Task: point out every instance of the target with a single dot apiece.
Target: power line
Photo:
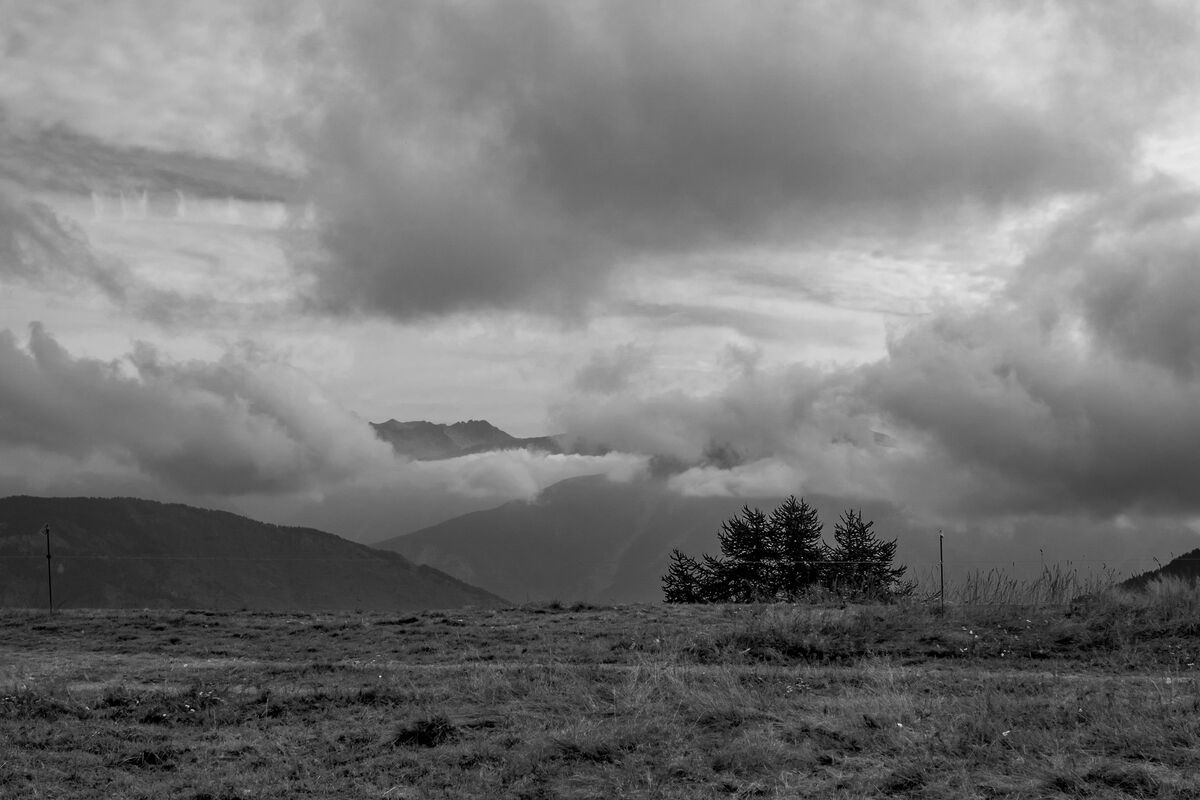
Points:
(109, 557)
(367, 559)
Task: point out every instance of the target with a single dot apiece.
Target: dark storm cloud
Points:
(507, 154)
(1073, 391)
(1078, 389)
(237, 426)
(1131, 267)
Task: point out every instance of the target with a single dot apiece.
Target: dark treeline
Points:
(783, 557)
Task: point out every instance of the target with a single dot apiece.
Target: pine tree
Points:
(797, 548)
(780, 557)
(716, 580)
(860, 563)
(748, 560)
(684, 581)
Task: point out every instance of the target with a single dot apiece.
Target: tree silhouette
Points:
(860, 563)
(783, 557)
(748, 562)
(798, 550)
(684, 581)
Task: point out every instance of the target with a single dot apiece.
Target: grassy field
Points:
(1094, 699)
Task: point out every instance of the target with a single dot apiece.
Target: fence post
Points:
(49, 572)
(942, 572)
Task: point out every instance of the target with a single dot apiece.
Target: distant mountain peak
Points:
(481, 424)
(429, 441)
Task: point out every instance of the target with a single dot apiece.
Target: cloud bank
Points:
(512, 155)
(242, 425)
(1075, 390)
(245, 432)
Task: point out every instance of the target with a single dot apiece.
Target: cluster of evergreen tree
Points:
(782, 556)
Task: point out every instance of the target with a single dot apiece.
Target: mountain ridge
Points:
(431, 441)
(131, 552)
(1185, 567)
(583, 538)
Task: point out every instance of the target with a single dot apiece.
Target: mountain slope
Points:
(591, 539)
(126, 552)
(423, 440)
(1185, 568)
(581, 539)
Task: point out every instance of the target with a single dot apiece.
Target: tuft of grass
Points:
(599, 744)
(907, 779)
(148, 759)
(427, 731)
(49, 703)
(1132, 780)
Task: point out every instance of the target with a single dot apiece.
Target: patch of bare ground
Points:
(1091, 700)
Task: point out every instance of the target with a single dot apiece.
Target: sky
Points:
(941, 256)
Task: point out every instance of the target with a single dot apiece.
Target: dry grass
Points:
(1093, 699)
(1056, 585)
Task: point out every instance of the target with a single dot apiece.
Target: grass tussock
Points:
(427, 731)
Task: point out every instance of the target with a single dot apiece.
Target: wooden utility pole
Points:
(942, 571)
(49, 572)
